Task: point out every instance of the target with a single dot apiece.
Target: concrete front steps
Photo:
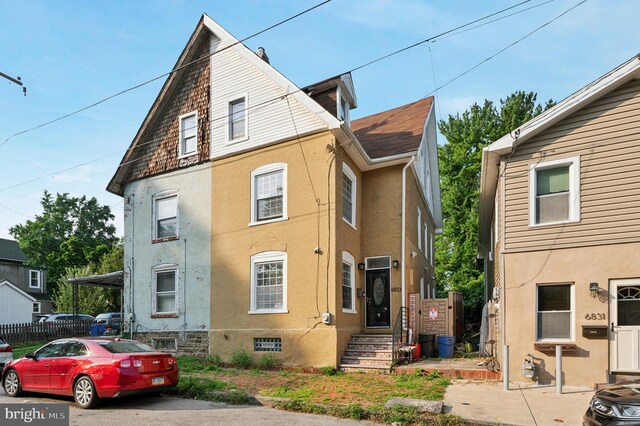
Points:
(370, 353)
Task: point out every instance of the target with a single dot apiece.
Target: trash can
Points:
(445, 346)
(426, 344)
(97, 329)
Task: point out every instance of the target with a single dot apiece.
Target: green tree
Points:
(71, 232)
(460, 162)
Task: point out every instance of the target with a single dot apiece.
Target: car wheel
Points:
(84, 392)
(12, 384)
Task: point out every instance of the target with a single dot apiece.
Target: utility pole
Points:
(16, 81)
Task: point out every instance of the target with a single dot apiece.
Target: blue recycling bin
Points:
(445, 346)
(97, 329)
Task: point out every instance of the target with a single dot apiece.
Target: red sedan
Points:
(91, 368)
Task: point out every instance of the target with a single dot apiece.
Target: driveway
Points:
(166, 410)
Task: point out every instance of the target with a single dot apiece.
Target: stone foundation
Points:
(186, 342)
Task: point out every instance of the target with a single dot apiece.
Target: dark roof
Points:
(10, 250)
(40, 297)
(395, 131)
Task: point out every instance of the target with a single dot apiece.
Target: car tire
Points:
(84, 393)
(11, 384)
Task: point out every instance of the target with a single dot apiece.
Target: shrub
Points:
(267, 361)
(242, 359)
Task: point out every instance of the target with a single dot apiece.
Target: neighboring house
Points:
(23, 288)
(259, 217)
(560, 235)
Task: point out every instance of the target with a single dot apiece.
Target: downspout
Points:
(404, 227)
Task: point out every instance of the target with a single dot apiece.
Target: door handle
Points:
(74, 364)
(612, 329)
(47, 365)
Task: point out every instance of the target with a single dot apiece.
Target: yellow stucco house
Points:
(260, 217)
(559, 234)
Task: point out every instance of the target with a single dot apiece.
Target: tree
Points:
(460, 163)
(71, 232)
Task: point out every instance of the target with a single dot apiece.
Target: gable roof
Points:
(10, 250)
(13, 287)
(396, 131)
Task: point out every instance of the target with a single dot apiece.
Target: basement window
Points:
(167, 345)
(267, 344)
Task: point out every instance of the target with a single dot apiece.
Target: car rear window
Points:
(2, 342)
(126, 347)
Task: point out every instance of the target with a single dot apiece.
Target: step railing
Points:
(400, 334)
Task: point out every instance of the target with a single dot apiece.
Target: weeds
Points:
(242, 359)
(267, 362)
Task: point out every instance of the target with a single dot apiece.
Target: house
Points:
(259, 217)
(23, 288)
(560, 233)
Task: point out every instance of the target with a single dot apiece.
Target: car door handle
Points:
(74, 364)
(47, 365)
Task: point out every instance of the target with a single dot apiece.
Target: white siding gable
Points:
(16, 306)
(426, 167)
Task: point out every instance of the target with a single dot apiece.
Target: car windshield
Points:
(126, 347)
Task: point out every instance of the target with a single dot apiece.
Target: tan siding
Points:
(605, 137)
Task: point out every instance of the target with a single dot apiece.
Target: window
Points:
(267, 344)
(35, 278)
(348, 195)
(170, 345)
(165, 286)
(165, 216)
(269, 283)
(555, 312)
(36, 307)
(188, 134)
(348, 283)
(75, 349)
(343, 107)
(419, 227)
(431, 253)
(238, 119)
(426, 241)
(555, 191)
(269, 193)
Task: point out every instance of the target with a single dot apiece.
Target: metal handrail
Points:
(398, 335)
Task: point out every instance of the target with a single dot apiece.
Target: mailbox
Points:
(595, 331)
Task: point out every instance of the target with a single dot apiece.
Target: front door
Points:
(378, 298)
(624, 339)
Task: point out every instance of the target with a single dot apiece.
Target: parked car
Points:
(6, 352)
(615, 405)
(111, 320)
(42, 318)
(68, 317)
(90, 369)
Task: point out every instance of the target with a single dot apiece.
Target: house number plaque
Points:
(595, 317)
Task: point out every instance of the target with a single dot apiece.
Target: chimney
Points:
(262, 54)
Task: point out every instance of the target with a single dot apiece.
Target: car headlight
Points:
(600, 407)
(629, 411)
(622, 411)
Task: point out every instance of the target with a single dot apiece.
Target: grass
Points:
(20, 350)
(209, 390)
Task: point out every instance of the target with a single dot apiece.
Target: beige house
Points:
(260, 217)
(560, 234)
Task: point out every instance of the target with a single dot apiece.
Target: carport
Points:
(110, 280)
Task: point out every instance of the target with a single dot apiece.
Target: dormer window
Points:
(343, 107)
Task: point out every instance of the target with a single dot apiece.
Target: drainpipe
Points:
(404, 226)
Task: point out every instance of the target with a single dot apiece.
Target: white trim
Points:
(163, 195)
(419, 229)
(182, 154)
(165, 267)
(351, 261)
(39, 310)
(39, 274)
(227, 139)
(572, 325)
(347, 114)
(269, 256)
(574, 189)
(269, 168)
(346, 170)
(19, 290)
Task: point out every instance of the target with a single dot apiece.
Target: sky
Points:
(71, 54)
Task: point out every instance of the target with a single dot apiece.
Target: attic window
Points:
(238, 119)
(343, 107)
(189, 134)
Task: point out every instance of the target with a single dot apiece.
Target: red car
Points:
(91, 368)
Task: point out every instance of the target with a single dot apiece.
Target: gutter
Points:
(404, 226)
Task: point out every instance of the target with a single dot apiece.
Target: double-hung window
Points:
(555, 312)
(36, 307)
(348, 283)
(165, 215)
(188, 134)
(35, 278)
(269, 283)
(555, 191)
(237, 125)
(165, 289)
(419, 228)
(349, 187)
(269, 193)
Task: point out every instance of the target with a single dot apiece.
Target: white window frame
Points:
(351, 261)
(181, 151)
(419, 229)
(167, 267)
(37, 308)
(268, 256)
(268, 168)
(427, 252)
(346, 170)
(39, 278)
(235, 99)
(154, 206)
(574, 189)
(432, 253)
(573, 314)
(347, 115)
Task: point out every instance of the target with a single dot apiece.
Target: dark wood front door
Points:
(378, 298)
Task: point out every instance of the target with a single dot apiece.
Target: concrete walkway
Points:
(488, 403)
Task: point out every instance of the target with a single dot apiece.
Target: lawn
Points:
(20, 350)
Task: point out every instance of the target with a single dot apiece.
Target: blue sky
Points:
(73, 53)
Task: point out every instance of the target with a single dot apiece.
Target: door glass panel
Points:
(628, 306)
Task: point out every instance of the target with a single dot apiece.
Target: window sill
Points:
(189, 155)
(269, 311)
(562, 222)
(34, 288)
(163, 240)
(164, 316)
(551, 346)
(349, 311)
(235, 141)
(263, 222)
(349, 223)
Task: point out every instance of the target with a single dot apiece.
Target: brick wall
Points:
(188, 342)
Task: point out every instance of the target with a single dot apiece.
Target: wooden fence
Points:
(16, 334)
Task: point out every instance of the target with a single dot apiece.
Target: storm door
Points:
(624, 337)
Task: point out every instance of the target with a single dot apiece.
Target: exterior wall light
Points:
(594, 288)
(395, 263)
(361, 266)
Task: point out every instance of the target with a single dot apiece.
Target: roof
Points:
(392, 132)
(10, 250)
(112, 279)
(344, 81)
(42, 297)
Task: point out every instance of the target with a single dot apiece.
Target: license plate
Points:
(157, 381)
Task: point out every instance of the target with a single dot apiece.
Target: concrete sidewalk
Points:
(487, 402)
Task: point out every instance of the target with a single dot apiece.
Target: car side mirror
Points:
(30, 355)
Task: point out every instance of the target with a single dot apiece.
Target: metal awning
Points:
(112, 280)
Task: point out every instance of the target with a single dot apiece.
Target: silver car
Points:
(6, 352)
